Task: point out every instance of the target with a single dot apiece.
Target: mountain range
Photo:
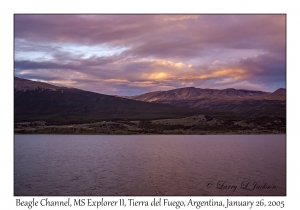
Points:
(213, 101)
(192, 93)
(38, 101)
(61, 105)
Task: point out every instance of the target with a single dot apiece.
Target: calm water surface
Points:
(149, 165)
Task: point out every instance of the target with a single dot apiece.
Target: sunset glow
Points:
(133, 54)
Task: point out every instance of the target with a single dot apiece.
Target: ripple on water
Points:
(147, 165)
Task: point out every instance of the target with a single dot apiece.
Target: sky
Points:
(133, 54)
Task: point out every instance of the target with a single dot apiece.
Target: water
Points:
(149, 165)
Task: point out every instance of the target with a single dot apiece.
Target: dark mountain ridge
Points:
(38, 101)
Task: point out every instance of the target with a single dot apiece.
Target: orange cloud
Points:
(155, 76)
(235, 74)
(170, 64)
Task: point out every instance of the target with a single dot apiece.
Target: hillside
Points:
(192, 93)
(222, 102)
(37, 101)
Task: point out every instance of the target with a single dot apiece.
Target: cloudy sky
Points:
(133, 54)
